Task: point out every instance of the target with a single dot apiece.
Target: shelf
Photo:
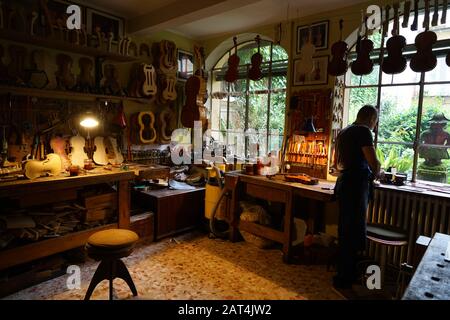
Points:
(44, 248)
(15, 36)
(69, 95)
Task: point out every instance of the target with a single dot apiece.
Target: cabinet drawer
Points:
(269, 194)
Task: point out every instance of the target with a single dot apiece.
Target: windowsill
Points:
(420, 187)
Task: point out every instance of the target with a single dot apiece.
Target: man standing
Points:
(357, 165)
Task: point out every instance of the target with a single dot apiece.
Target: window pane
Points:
(407, 76)
(434, 162)
(398, 114)
(370, 79)
(257, 119)
(257, 111)
(279, 82)
(440, 73)
(279, 53)
(396, 156)
(357, 98)
(237, 104)
(276, 121)
(218, 116)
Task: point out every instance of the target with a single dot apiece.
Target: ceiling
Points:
(202, 19)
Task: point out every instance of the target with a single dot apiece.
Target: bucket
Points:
(212, 194)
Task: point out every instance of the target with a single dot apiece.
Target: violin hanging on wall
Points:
(190, 111)
(147, 131)
(338, 64)
(255, 73)
(149, 87)
(233, 64)
(424, 60)
(395, 62)
(363, 65)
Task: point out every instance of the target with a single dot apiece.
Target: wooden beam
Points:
(182, 12)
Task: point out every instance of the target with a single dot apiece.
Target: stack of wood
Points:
(38, 224)
(99, 207)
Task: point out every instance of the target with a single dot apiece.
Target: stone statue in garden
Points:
(432, 168)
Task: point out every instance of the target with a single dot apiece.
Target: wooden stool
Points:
(108, 246)
(386, 235)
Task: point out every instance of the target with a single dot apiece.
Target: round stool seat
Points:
(113, 239)
(386, 234)
(109, 246)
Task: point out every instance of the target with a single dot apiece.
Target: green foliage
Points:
(258, 99)
(397, 157)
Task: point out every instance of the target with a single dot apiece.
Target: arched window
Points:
(247, 105)
(407, 103)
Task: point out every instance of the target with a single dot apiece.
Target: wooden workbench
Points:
(49, 186)
(276, 191)
(431, 281)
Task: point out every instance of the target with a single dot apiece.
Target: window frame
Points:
(269, 89)
(440, 49)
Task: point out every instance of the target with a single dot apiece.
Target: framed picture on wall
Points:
(319, 75)
(106, 22)
(317, 33)
(185, 64)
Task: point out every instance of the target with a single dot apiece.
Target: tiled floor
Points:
(192, 266)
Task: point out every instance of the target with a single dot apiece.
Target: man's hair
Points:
(366, 113)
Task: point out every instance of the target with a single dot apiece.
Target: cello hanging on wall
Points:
(363, 65)
(233, 65)
(254, 73)
(395, 62)
(338, 64)
(424, 60)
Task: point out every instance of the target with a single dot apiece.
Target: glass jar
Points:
(88, 164)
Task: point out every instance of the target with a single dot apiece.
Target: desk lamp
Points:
(89, 121)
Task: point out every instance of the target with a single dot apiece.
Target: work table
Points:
(273, 189)
(54, 189)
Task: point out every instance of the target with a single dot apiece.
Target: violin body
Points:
(149, 87)
(58, 146)
(85, 81)
(395, 62)
(169, 92)
(167, 120)
(36, 77)
(424, 60)
(190, 112)
(77, 154)
(233, 65)
(35, 168)
(255, 73)
(114, 154)
(147, 131)
(100, 156)
(232, 72)
(168, 63)
(338, 64)
(363, 65)
(65, 79)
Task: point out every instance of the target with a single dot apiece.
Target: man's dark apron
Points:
(353, 191)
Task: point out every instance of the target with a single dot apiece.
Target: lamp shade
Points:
(88, 120)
